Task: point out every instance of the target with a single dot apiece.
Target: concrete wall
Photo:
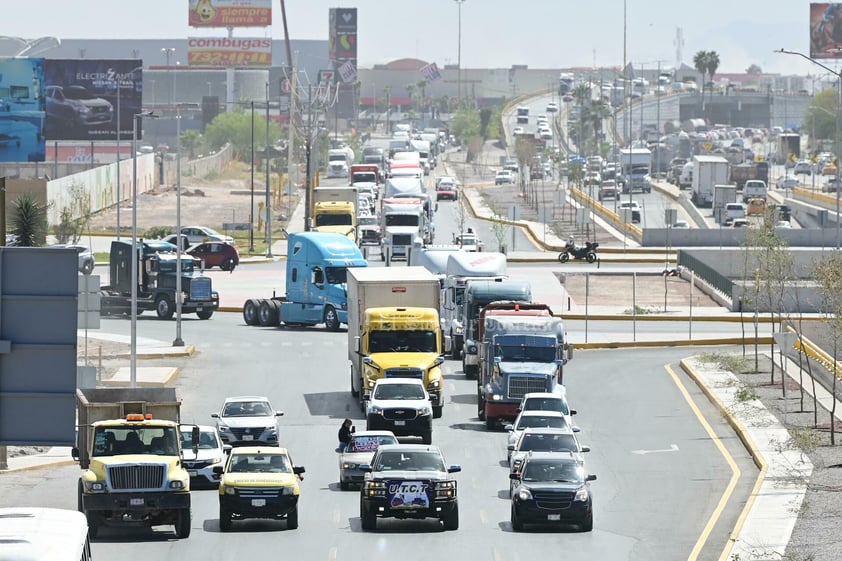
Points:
(734, 237)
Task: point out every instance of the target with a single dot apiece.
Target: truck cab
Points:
(461, 268)
(335, 210)
(477, 295)
(316, 278)
(403, 221)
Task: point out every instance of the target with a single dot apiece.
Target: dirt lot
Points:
(646, 291)
(205, 202)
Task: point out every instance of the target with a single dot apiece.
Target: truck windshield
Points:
(333, 220)
(336, 275)
(151, 440)
(401, 220)
(521, 353)
(364, 177)
(402, 341)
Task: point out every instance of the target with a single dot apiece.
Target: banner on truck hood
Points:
(826, 30)
(230, 13)
(22, 110)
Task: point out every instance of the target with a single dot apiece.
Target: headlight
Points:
(376, 410)
(524, 495)
(371, 383)
(272, 429)
(230, 491)
(446, 489)
(434, 384)
(375, 488)
(496, 397)
(581, 494)
(424, 411)
(223, 428)
(176, 484)
(95, 486)
(347, 465)
(472, 349)
(287, 490)
(217, 460)
(459, 330)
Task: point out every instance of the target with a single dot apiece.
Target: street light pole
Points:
(268, 193)
(168, 52)
(178, 342)
(838, 141)
(251, 215)
(459, 52)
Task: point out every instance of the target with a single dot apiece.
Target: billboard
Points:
(342, 42)
(230, 13)
(22, 110)
(229, 51)
(83, 97)
(826, 30)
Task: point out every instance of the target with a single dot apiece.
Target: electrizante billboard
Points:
(87, 99)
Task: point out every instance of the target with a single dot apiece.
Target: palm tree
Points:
(410, 91)
(29, 221)
(712, 66)
(422, 87)
(700, 62)
(598, 111)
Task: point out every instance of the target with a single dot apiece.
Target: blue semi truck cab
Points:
(316, 283)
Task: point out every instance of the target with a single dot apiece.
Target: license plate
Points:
(192, 472)
(136, 502)
(248, 437)
(258, 502)
(199, 309)
(400, 423)
(553, 517)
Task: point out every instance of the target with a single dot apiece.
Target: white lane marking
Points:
(331, 554)
(495, 554)
(672, 448)
(483, 517)
(336, 517)
(267, 344)
(476, 482)
(452, 387)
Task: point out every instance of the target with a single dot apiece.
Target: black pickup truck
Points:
(409, 481)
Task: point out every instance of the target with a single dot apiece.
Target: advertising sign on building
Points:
(342, 45)
(431, 72)
(229, 51)
(826, 30)
(83, 97)
(348, 72)
(22, 110)
(230, 13)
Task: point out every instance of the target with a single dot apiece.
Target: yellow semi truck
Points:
(129, 447)
(335, 210)
(394, 330)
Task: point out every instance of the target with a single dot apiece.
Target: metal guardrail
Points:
(606, 213)
(707, 273)
(829, 199)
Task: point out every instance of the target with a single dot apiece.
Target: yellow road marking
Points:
(735, 470)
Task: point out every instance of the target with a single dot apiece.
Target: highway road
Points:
(660, 473)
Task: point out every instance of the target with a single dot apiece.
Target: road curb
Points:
(188, 351)
(172, 375)
(57, 463)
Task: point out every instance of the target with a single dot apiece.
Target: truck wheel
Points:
(79, 506)
(205, 314)
(88, 268)
(451, 519)
(368, 519)
(182, 524)
(354, 392)
(292, 519)
(228, 264)
(250, 312)
(455, 348)
(427, 436)
(490, 423)
(480, 408)
(437, 410)
(164, 307)
(331, 319)
(267, 315)
(93, 523)
(224, 520)
(382, 255)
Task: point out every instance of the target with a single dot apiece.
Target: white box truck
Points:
(708, 171)
(393, 330)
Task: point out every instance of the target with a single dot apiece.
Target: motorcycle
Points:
(586, 252)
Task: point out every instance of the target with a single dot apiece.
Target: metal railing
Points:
(706, 273)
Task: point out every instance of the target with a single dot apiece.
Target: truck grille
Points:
(522, 385)
(200, 288)
(143, 476)
(399, 414)
(552, 500)
(258, 492)
(402, 239)
(404, 373)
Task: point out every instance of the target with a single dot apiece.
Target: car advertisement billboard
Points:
(22, 110)
(230, 13)
(826, 30)
(229, 51)
(83, 97)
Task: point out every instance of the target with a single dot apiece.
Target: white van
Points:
(733, 211)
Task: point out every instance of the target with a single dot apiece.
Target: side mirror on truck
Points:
(357, 344)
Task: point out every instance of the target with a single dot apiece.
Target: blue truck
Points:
(522, 350)
(478, 294)
(316, 283)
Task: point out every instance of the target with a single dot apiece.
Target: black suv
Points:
(552, 488)
(784, 212)
(408, 481)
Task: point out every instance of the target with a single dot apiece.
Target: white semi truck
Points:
(708, 171)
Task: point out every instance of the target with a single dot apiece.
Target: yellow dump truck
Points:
(394, 330)
(129, 447)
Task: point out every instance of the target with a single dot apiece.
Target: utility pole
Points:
(251, 211)
(293, 93)
(459, 53)
(308, 147)
(268, 207)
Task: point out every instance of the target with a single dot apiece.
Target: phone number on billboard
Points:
(230, 58)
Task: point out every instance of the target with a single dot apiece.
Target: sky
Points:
(495, 33)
